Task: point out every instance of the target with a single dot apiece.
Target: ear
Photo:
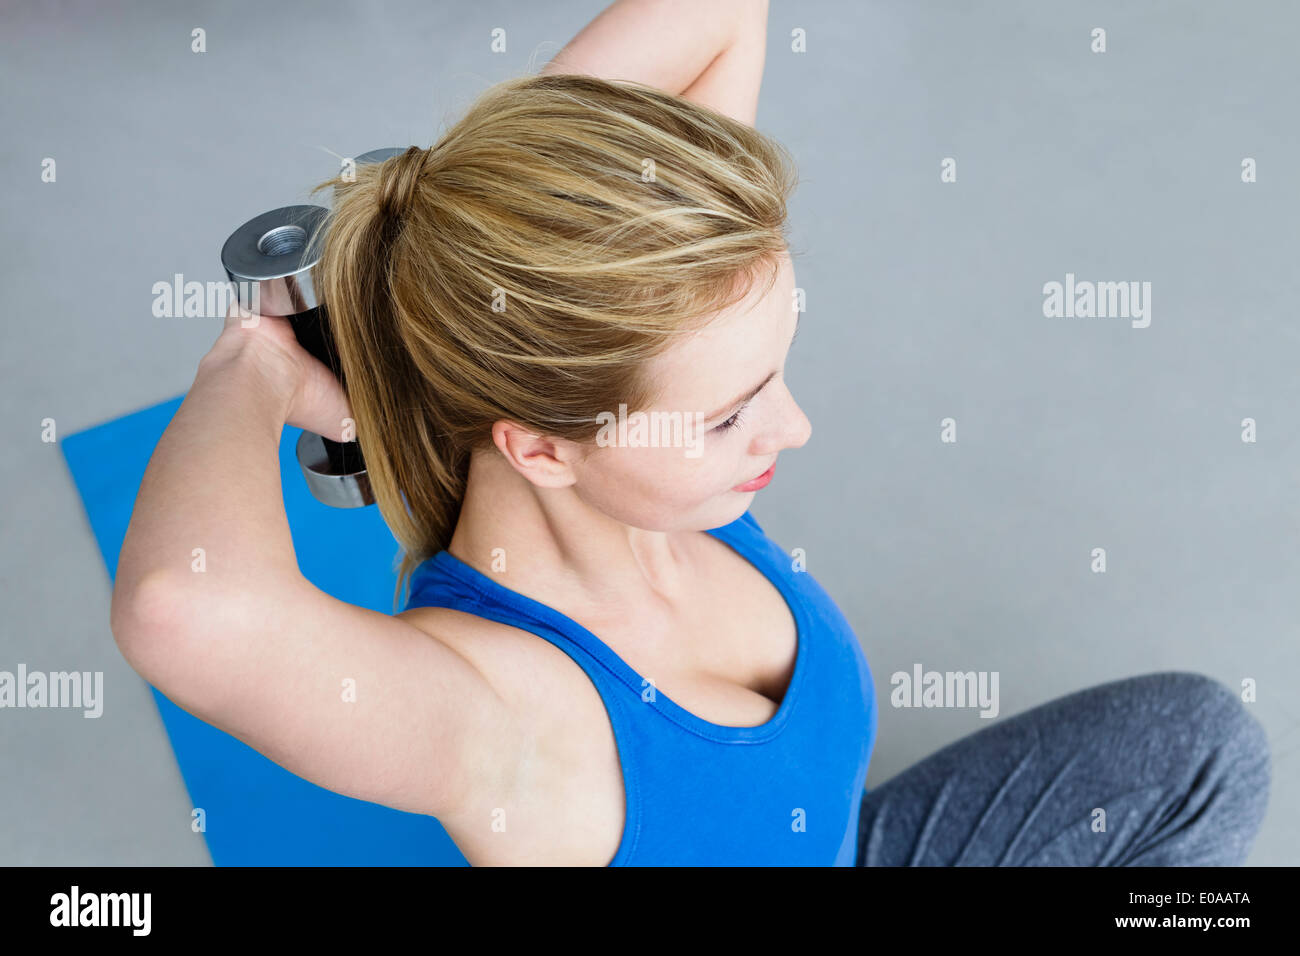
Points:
(543, 460)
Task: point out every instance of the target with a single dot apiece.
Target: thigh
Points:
(1165, 769)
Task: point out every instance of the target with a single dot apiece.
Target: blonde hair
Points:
(526, 266)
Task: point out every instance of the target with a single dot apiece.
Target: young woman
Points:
(603, 659)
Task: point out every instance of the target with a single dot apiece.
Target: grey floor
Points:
(924, 302)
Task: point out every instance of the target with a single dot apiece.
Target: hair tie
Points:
(399, 179)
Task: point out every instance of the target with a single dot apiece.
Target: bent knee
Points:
(1218, 712)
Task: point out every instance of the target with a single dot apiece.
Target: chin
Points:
(729, 509)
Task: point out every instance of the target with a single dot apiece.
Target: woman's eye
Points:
(731, 422)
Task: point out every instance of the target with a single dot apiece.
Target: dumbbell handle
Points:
(311, 329)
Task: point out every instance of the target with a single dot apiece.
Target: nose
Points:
(792, 429)
(800, 426)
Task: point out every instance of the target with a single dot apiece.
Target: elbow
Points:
(142, 616)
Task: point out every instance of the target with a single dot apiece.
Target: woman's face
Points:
(724, 415)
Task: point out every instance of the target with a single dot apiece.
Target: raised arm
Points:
(709, 51)
(359, 702)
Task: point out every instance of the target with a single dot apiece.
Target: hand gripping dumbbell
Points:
(269, 260)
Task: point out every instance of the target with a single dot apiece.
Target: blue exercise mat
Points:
(258, 813)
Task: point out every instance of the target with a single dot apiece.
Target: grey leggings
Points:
(1177, 762)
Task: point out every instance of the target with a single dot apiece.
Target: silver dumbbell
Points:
(269, 260)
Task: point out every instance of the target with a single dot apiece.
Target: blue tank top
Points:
(784, 793)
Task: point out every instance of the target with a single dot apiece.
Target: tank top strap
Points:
(445, 581)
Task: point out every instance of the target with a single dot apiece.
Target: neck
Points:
(559, 549)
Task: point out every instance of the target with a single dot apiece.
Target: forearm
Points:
(710, 51)
(213, 484)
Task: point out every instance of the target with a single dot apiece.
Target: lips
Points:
(755, 483)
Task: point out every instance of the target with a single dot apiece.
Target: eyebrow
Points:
(741, 399)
